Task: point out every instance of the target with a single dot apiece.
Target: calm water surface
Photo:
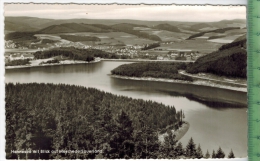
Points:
(211, 124)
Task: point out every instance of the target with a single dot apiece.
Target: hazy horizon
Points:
(123, 19)
(127, 12)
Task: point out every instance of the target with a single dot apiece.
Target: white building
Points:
(159, 58)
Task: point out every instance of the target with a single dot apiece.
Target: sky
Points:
(137, 12)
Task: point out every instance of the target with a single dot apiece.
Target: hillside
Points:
(230, 23)
(129, 28)
(199, 26)
(69, 117)
(23, 24)
(74, 38)
(238, 43)
(221, 30)
(20, 36)
(229, 60)
(94, 28)
(167, 27)
(243, 37)
(71, 28)
(21, 27)
(40, 23)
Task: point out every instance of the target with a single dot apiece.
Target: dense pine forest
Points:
(59, 119)
(167, 70)
(74, 54)
(215, 31)
(230, 60)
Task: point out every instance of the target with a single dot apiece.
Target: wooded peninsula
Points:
(167, 70)
(69, 117)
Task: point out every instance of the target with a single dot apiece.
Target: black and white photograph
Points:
(95, 81)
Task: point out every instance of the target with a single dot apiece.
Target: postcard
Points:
(88, 81)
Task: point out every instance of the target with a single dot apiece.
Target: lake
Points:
(213, 121)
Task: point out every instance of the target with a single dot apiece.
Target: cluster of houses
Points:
(187, 54)
(126, 51)
(18, 56)
(9, 44)
(68, 44)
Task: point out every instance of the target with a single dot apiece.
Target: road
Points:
(190, 75)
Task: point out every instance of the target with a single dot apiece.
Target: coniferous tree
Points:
(169, 145)
(121, 142)
(199, 153)
(213, 154)
(179, 149)
(231, 154)
(191, 149)
(146, 140)
(181, 117)
(107, 129)
(220, 153)
(146, 144)
(207, 155)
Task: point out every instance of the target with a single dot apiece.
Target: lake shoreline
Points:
(199, 83)
(179, 133)
(95, 61)
(147, 60)
(68, 62)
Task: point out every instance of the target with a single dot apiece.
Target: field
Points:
(226, 39)
(47, 36)
(223, 41)
(201, 45)
(173, 38)
(242, 25)
(167, 35)
(222, 38)
(110, 38)
(142, 28)
(20, 51)
(208, 28)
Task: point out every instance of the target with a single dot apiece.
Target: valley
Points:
(125, 38)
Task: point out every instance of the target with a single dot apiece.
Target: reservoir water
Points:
(213, 124)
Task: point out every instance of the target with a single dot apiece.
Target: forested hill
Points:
(222, 30)
(65, 117)
(167, 27)
(74, 54)
(229, 60)
(74, 27)
(95, 28)
(168, 70)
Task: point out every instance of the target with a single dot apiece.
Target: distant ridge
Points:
(199, 26)
(72, 28)
(33, 23)
(167, 27)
